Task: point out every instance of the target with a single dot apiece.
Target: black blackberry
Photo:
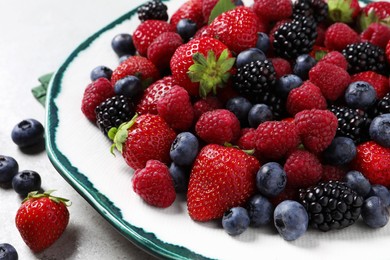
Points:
(309, 26)
(318, 9)
(331, 205)
(365, 56)
(114, 111)
(382, 106)
(352, 123)
(274, 102)
(153, 10)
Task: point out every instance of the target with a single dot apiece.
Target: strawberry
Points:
(336, 58)
(376, 33)
(282, 66)
(192, 10)
(273, 10)
(143, 138)
(221, 178)
(204, 105)
(94, 94)
(339, 35)
(176, 109)
(154, 184)
(344, 11)
(373, 161)
(378, 81)
(42, 219)
(375, 12)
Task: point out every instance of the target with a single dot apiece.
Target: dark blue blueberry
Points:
(249, 55)
(8, 252)
(360, 94)
(26, 181)
(380, 130)
(342, 150)
(129, 86)
(123, 58)
(27, 133)
(260, 211)
(286, 83)
(263, 42)
(186, 29)
(122, 44)
(184, 149)
(239, 106)
(271, 179)
(290, 219)
(8, 168)
(101, 72)
(302, 65)
(258, 114)
(382, 192)
(356, 181)
(374, 213)
(180, 175)
(235, 221)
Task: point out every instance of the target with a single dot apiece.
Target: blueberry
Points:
(249, 55)
(235, 221)
(258, 114)
(129, 86)
(382, 192)
(8, 168)
(286, 83)
(123, 58)
(263, 42)
(239, 106)
(260, 211)
(360, 94)
(374, 212)
(26, 181)
(184, 149)
(356, 181)
(180, 175)
(122, 44)
(271, 179)
(303, 64)
(380, 130)
(186, 29)
(27, 133)
(290, 219)
(101, 72)
(8, 252)
(341, 151)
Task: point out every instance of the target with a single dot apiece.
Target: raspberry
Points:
(281, 66)
(273, 10)
(303, 169)
(316, 128)
(377, 34)
(289, 193)
(378, 81)
(388, 51)
(336, 58)
(332, 173)
(247, 139)
(206, 104)
(339, 35)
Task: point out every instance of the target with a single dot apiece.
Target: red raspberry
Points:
(376, 33)
(274, 139)
(336, 58)
(306, 96)
(273, 10)
(192, 10)
(331, 79)
(206, 104)
(303, 169)
(176, 109)
(289, 193)
(247, 141)
(218, 126)
(339, 35)
(331, 172)
(154, 184)
(94, 94)
(378, 81)
(316, 128)
(282, 67)
(388, 51)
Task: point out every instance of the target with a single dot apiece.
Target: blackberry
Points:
(153, 10)
(113, 112)
(365, 56)
(274, 102)
(331, 205)
(309, 26)
(352, 123)
(318, 9)
(382, 106)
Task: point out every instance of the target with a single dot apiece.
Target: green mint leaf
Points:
(221, 7)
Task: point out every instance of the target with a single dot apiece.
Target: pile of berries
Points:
(277, 112)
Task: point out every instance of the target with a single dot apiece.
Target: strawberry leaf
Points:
(221, 7)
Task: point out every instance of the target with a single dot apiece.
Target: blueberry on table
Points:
(360, 94)
(286, 83)
(184, 149)
(186, 29)
(260, 210)
(8, 252)
(380, 130)
(123, 44)
(235, 221)
(26, 181)
(271, 179)
(249, 55)
(101, 72)
(382, 192)
(291, 219)
(263, 43)
(303, 64)
(8, 168)
(239, 106)
(258, 114)
(374, 213)
(180, 176)
(27, 133)
(341, 151)
(356, 181)
(129, 86)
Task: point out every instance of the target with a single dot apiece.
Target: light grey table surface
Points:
(35, 38)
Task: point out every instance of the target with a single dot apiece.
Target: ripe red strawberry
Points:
(162, 48)
(218, 126)
(339, 35)
(303, 169)
(273, 10)
(94, 94)
(154, 184)
(144, 138)
(274, 139)
(331, 172)
(344, 11)
(148, 102)
(192, 10)
(176, 109)
(236, 28)
(316, 128)
(204, 31)
(336, 58)
(306, 96)
(376, 33)
(373, 161)
(331, 79)
(137, 66)
(221, 178)
(378, 81)
(147, 31)
(204, 105)
(374, 12)
(282, 66)
(42, 219)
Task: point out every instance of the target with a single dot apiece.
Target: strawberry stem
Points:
(119, 135)
(37, 195)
